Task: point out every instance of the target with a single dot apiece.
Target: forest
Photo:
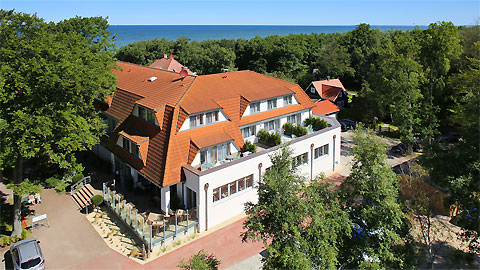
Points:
(425, 82)
(405, 77)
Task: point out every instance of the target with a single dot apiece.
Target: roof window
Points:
(151, 79)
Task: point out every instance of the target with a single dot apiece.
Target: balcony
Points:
(263, 146)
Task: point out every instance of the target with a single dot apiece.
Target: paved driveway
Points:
(72, 243)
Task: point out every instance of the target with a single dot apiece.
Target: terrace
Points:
(154, 229)
(266, 140)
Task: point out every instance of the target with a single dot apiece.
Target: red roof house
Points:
(169, 63)
(330, 89)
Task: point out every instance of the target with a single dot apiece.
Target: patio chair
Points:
(180, 213)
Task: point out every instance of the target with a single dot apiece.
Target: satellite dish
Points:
(172, 56)
(183, 73)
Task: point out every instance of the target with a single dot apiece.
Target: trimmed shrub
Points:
(249, 147)
(297, 130)
(97, 200)
(316, 122)
(200, 260)
(269, 139)
(77, 177)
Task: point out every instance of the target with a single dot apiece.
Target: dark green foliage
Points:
(50, 76)
(270, 139)
(301, 225)
(316, 122)
(297, 130)
(77, 177)
(97, 200)
(371, 195)
(53, 181)
(200, 261)
(249, 147)
(456, 166)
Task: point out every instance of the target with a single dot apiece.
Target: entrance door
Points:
(191, 199)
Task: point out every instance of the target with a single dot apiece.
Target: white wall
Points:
(230, 207)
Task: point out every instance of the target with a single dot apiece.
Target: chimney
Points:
(328, 78)
(164, 55)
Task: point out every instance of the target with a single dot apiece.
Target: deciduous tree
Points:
(380, 236)
(50, 76)
(300, 225)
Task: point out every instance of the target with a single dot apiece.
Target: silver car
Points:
(26, 254)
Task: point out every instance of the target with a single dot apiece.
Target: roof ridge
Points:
(156, 69)
(294, 84)
(185, 92)
(233, 71)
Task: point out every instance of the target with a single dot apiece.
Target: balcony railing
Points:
(152, 229)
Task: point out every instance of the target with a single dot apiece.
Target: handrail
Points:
(85, 180)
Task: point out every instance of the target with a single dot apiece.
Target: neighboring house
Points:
(325, 108)
(330, 89)
(169, 63)
(184, 135)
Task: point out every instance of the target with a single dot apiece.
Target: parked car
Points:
(347, 124)
(26, 254)
(402, 148)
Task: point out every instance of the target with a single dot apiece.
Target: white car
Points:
(26, 254)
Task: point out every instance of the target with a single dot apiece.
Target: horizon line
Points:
(412, 25)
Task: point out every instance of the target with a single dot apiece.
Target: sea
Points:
(126, 34)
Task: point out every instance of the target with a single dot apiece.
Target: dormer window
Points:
(203, 118)
(272, 104)
(254, 107)
(212, 117)
(196, 120)
(130, 147)
(146, 114)
(287, 100)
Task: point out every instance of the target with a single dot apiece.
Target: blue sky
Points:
(256, 12)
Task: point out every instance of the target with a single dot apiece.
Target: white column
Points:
(165, 198)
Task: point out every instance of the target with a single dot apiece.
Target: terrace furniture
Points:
(180, 213)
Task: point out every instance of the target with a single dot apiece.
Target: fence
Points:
(152, 230)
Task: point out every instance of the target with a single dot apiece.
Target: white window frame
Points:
(287, 100)
(266, 125)
(272, 104)
(254, 107)
(249, 131)
(321, 151)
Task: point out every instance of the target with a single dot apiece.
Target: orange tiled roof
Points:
(329, 89)
(169, 64)
(169, 149)
(325, 107)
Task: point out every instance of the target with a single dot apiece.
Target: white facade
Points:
(201, 184)
(212, 213)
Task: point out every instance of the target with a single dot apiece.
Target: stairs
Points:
(82, 197)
